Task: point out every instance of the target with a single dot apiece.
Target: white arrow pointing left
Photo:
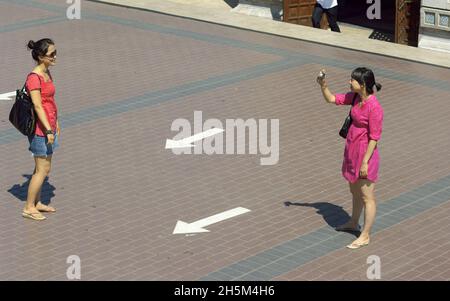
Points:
(198, 226)
(8, 96)
(187, 142)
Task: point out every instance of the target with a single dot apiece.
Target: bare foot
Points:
(44, 208)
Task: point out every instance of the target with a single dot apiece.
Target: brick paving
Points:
(124, 75)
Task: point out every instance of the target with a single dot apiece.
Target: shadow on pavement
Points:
(20, 190)
(333, 215)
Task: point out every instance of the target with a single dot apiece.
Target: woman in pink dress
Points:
(361, 157)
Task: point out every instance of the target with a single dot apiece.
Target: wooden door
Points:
(300, 12)
(407, 19)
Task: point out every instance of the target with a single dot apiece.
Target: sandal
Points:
(355, 246)
(37, 216)
(44, 208)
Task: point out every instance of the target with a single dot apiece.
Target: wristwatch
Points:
(48, 132)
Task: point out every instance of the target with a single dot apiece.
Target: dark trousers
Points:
(331, 13)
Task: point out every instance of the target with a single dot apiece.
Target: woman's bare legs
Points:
(42, 170)
(39, 205)
(358, 205)
(367, 189)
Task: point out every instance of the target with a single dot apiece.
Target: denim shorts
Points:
(39, 146)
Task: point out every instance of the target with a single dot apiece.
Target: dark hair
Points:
(366, 77)
(39, 48)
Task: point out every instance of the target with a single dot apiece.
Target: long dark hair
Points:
(39, 48)
(365, 76)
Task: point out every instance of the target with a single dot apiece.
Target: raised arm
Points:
(327, 95)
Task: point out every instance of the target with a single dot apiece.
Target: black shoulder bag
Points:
(348, 121)
(22, 115)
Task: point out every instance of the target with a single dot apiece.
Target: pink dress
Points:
(367, 122)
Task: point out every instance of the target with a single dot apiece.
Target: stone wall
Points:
(441, 4)
(435, 25)
(271, 9)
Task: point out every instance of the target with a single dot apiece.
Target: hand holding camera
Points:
(321, 78)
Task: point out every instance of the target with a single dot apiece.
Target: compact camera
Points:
(321, 75)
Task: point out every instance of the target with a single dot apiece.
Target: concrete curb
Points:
(298, 32)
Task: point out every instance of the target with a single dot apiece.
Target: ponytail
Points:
(378, 86)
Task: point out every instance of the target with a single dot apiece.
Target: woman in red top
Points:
(40, 87)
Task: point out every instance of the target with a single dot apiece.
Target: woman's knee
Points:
(43, 167)
(355, 191)
(368, 198)
(47, 168)
(366, 189)
(43, 171)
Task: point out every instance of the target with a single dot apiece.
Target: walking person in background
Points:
(39, 85)
(361, 157)
(330, 8)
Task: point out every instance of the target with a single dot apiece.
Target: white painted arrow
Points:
(187, 142)
(8, 96)
(198, 226)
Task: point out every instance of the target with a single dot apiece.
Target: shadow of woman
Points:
(333, 215)
(20, 191)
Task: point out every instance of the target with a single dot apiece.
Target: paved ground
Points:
(124, 75)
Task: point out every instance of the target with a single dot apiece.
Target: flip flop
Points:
(45, 209)
(354, 246)
(37, 216)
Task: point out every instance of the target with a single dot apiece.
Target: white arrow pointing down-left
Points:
(187, 142)
(8, 96)
(198, 226)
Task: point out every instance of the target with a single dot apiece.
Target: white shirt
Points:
(327, 3)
